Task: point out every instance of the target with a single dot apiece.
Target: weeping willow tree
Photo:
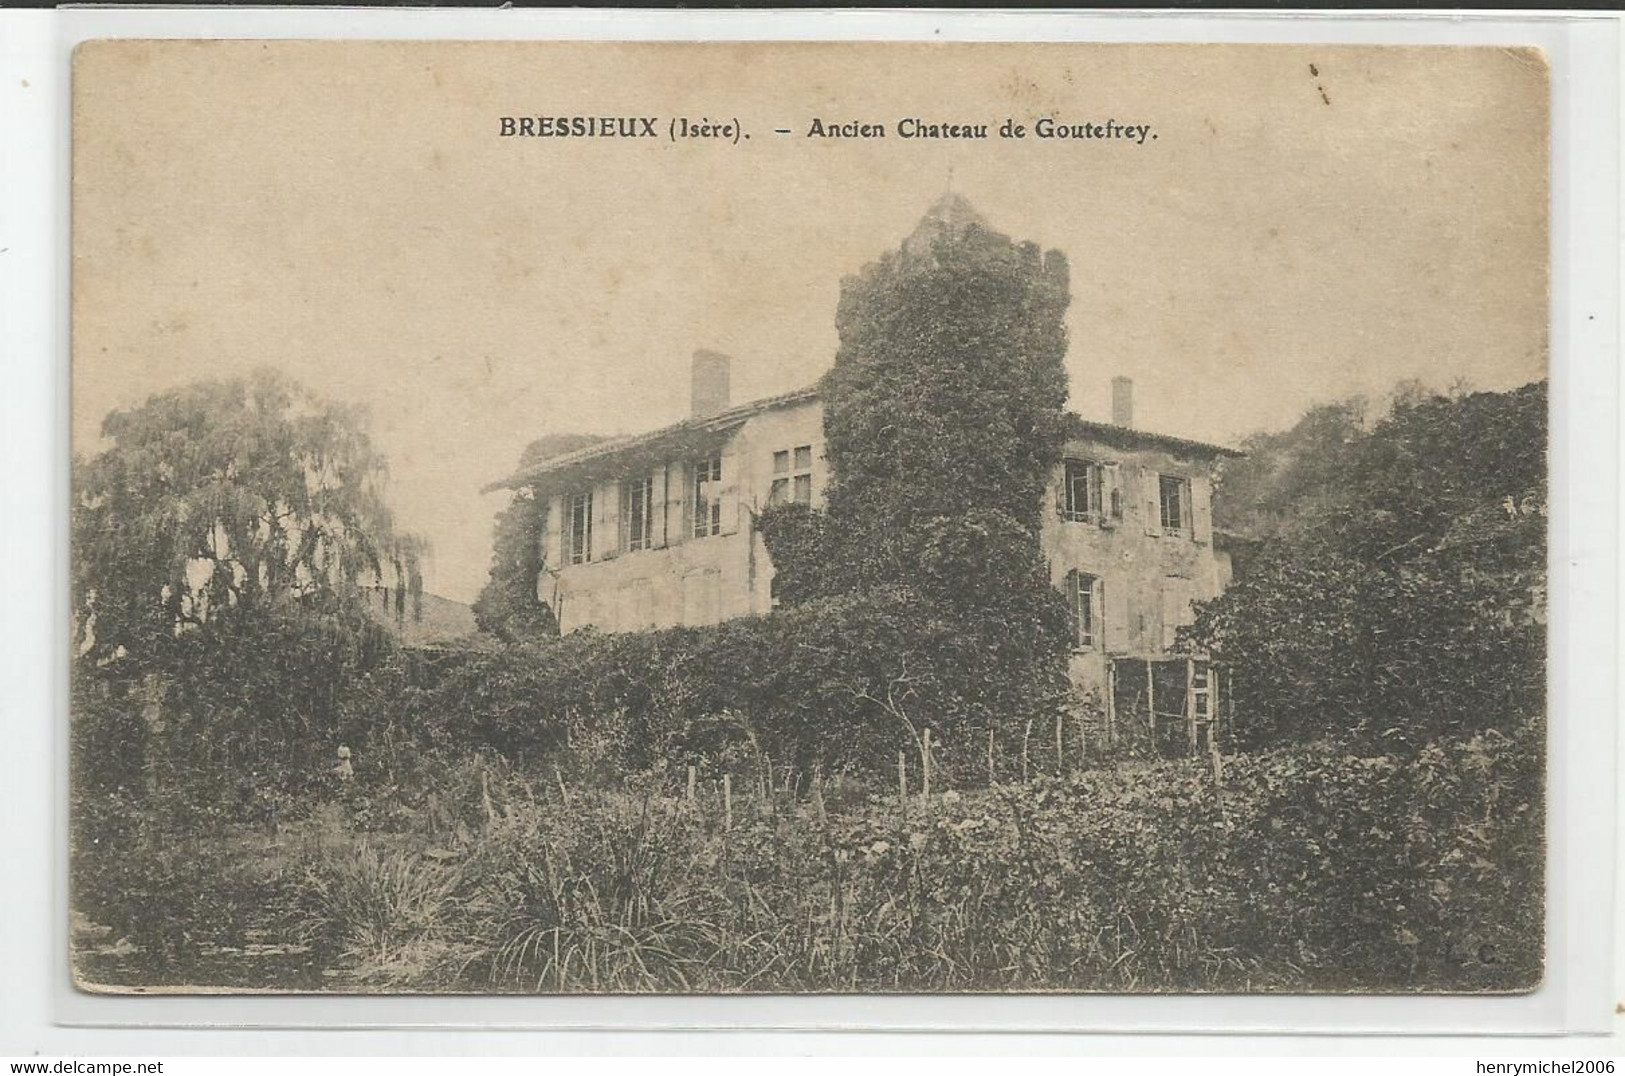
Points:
(226, 541)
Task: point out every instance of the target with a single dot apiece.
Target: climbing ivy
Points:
(508, 606)
(943, 420)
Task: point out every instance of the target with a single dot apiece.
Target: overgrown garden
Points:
(745, 807)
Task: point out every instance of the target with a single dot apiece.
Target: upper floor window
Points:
(706, 504)
(578, 535)
(1175, 497)
(637, 513)
(1081, 491)
(792, 476)
(1088, 492)
(1084, 601)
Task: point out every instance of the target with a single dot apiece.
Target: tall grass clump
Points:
(613, 896)
(388, 912)
(1306, 869)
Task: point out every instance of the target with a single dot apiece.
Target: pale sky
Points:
(347, 213)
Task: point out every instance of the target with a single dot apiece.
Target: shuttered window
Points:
(1174, 494)
(1088, 492)
(706, 503)
(637, 515)
(1086, 603)
(1080, 491)
(578, 537)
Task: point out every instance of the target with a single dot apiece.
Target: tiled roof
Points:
(1079, 428)
(722, 420)
(1129, 437)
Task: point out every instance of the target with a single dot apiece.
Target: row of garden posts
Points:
(1138, 693)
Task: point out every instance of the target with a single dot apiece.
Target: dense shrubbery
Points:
(834, 686)
(1401, 592)
(1307, 869)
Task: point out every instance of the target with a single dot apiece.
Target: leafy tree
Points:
(1401, 592)
(223, 545)
(1261, 493)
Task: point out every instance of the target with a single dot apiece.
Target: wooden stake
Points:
(1151, 699)
(1026, 737)
(564, 793)
(727, 801)
(991, 774)
(1214, 698)
(818, 793)
(1190, 706)
(1060, 759)
(1111, 702)
(925, 767)
(691, 777)
(902, 780)
(1230, 711)
(766, 785)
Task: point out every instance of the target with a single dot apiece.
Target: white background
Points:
(42, 1014)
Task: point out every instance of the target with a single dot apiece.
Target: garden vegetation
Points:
(744, 807)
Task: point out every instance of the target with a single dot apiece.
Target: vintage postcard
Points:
(808, 518)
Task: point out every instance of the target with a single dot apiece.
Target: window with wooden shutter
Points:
(1201, 691)
(637, 514)
(1081, 491)
(1085, 603)
(705, 504)
(1173, 503)
(578, 528)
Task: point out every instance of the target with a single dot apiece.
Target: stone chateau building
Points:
(655, 530)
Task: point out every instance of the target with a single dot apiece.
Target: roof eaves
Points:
(1127, 434)
(722, 420)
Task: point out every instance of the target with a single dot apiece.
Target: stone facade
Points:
(655, 531)
(1145, 561)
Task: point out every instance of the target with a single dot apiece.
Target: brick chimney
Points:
(1123, 401)
(709, 383)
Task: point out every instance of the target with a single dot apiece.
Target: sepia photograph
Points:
(808, 518)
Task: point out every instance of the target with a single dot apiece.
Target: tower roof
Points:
(953, 210)
(948, 215)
